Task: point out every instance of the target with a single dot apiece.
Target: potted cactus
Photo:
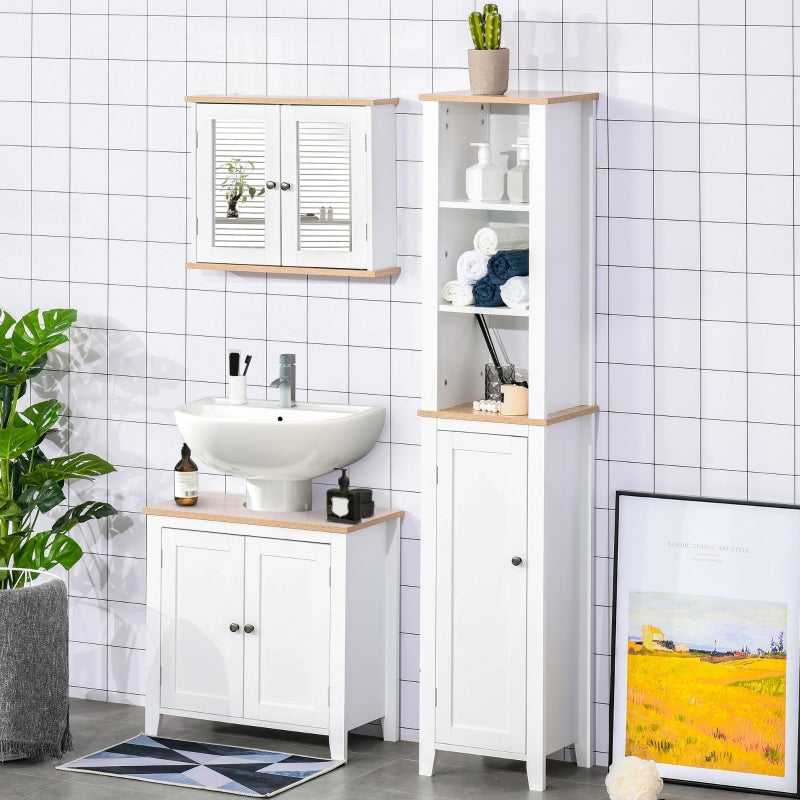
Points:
(488, 62)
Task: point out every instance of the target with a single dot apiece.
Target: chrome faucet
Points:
(285, 381)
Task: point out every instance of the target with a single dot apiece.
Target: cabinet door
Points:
(324, 161)
(231, 137)
(480, 594)
(287, 601)
(201, 591)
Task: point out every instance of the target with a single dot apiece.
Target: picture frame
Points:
(705, 644)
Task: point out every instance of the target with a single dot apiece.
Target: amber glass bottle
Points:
(186, 479)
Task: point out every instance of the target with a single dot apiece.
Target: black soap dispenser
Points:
(344, 505)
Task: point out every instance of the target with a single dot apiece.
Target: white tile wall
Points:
(696, 242)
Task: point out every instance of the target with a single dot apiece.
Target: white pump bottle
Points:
(485, 181)
(518, 178)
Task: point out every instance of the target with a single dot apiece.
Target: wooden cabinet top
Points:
(292, 101)
(528, 97)
(217, 507)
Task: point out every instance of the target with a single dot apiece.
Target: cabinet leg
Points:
(391, 729)
(338, 740)
(151, 721)
(427, 759)
(536, 774)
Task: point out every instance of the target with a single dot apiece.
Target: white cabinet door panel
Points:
(287, 653)
(324, 161)
(201, 596)
(251, 134)
(480, 593)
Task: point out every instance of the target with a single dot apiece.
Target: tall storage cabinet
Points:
(507, 539)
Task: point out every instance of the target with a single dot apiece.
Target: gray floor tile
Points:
(376, 770)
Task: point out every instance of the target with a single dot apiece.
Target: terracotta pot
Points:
(488, 71)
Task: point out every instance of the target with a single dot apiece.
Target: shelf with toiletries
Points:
(507, 419)
(293, 184)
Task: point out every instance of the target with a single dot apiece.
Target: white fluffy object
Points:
(457, 293)
(633, 778)
(515, 292)
(472, 266)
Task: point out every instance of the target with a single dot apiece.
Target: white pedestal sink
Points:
(278, 450)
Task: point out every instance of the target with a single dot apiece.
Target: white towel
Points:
(515, 292)
(489, 240)
(471, 266)
(457, 293)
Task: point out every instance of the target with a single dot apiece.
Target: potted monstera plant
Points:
(34, 538)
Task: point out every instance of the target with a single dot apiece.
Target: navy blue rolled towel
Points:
(486, 293)
(505, 264)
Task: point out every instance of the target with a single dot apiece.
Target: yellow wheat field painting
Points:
(706, 683)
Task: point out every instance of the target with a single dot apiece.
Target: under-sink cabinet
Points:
(316, 184)
(506, 554)
(252, 618)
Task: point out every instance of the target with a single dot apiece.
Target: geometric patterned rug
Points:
(217, 767)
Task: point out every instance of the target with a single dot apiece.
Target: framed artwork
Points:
(705, 670)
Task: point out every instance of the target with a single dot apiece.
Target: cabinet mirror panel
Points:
(238, 164)
(324, 186)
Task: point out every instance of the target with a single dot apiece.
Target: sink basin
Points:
(278, 450)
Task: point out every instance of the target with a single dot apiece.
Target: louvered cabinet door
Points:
(247, 136)
(324, 186)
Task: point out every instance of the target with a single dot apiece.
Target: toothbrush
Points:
(247, 360)
(233, 364)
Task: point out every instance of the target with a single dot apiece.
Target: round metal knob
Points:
(285, 185)
(234, 626)
(516, 561)
(271, 184)
(248, 628)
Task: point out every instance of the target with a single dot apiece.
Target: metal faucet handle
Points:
(287, 359)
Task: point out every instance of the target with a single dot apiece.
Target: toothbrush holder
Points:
(495, 378)
(237, 390)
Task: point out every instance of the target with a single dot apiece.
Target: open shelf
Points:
(328, 272)
(496, 205)
(499, 311)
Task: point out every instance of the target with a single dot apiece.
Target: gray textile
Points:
(34, 671)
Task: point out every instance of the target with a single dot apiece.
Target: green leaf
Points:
(43, 416)
(15, 442)
(9, 510)
(48, 549)
(74, 466)
(91, 509)
(44, 497)
(8, 547)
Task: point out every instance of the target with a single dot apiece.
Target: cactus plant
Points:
(486, 28)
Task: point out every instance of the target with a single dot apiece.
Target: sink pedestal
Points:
(266, 495)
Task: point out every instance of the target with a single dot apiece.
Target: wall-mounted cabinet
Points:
(507, 502)
(316, 184)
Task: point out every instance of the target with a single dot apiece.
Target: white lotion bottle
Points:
(485, 181)
(518, 178)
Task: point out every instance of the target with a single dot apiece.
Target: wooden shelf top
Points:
(292, 101)
(466, 412)
(217, 507)
(532, 97)
(327, 272)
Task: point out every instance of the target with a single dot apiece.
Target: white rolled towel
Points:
(512, 237)
(457, 293)
(471, 266)
(515, 292)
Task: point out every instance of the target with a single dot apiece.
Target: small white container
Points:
(485, 181)
(518, 178)
(237, 390)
